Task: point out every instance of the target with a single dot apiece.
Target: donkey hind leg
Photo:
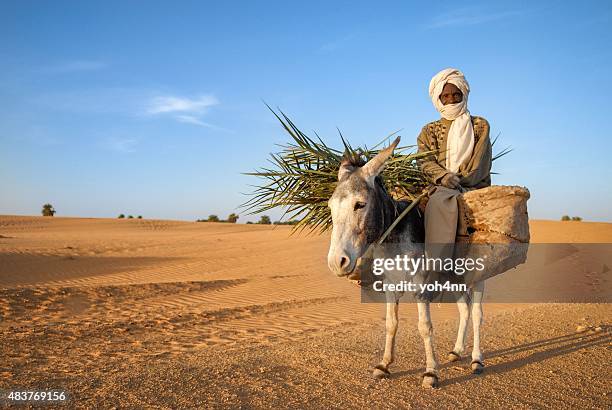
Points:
(477, 363)
(463, 305)
(382, 369)
(430, 377)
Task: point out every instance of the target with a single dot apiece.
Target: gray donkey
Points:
(361, 211)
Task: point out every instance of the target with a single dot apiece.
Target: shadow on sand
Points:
(553, 347)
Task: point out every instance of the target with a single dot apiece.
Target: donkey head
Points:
(358, 212)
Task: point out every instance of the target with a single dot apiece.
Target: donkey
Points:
(361, 211)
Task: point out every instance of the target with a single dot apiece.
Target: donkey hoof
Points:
(477, 367)
(381, 372)
(430, 380)
(453, 357)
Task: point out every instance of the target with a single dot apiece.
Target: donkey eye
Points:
(359, 205)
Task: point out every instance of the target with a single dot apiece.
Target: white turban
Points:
(460, 141)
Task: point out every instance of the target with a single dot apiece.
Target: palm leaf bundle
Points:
(304, 174)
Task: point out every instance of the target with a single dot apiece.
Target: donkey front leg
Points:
(382, 369)
(464, 315)
(430, 377)
(477, 363)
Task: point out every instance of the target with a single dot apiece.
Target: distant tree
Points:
(576, 218)
(130, 217)
(139, 216)
(566, 218)
(213, 218)
(47, 210)
(264, 220)
(232, 218)
(121, 216)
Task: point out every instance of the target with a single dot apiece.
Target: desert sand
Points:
(139, 313)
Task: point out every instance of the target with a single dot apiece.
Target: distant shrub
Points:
(47, 210)
(213, 218)
(566, 218)
(121, 216)
(576, 218)
(249, 223)
(130, 217)
(232, 218)
(264, 220)
(139, 216)
(291, 222)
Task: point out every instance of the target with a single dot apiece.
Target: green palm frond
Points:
(304, 173)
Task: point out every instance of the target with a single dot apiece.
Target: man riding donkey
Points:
(364, 213)
(462, 160)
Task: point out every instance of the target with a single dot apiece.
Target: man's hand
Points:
(450, 180)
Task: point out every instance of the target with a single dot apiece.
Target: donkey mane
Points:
(409, 227)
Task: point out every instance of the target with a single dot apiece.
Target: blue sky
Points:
(155, 108)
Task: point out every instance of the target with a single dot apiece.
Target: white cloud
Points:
(132, 103)
(123, 145)
(468, 17)
(190, 119)
(172, 104)
(185, 110)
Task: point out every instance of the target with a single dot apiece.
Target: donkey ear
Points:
(375, 166)
(346, 168)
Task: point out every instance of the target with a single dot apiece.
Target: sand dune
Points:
(142, 312)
